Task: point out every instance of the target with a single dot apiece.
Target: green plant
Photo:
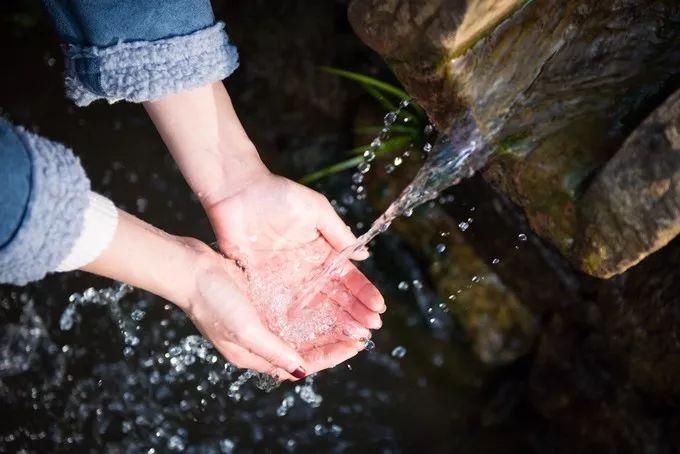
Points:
(408, 128)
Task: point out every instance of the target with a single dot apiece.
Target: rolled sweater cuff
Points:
(54, 215)
(145, 70)
(99, 227)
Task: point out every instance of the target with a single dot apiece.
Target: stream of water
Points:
(457, 155)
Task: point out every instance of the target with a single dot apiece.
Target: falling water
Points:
(455, 156)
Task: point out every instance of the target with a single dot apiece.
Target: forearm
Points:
(206, 138)
(146, 257)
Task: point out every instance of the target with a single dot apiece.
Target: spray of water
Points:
(455, 156)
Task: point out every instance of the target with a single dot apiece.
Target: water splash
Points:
(455, 156)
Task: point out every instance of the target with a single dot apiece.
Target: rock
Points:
(633, 207)
(556, 86)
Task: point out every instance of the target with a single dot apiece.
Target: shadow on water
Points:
(442, 377)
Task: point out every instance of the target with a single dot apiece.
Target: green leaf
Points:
(411, 131)
(370, 81)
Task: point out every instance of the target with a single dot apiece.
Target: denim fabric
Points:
(103, 23)
(15, 182)
(139, 50)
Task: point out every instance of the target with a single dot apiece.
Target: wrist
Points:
(235, 169)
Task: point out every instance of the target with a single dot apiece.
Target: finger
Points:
(243, 359)
(331, 355)
(362, 288)
(353, 330)
(259, 340)
(351, 304)
(336, 232)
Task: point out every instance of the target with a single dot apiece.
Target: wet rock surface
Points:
(556, 86)
(633, 206)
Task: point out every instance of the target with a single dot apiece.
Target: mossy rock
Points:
(555, 85)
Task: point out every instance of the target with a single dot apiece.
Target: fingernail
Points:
(299, 373)
(382, 311)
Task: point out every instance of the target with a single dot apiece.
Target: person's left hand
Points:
(283, 233)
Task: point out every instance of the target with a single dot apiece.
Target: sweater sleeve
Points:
(139, 50)
(46, 212)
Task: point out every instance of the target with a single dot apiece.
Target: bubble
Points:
(357, 177)
(428, 130)
(440, 248)
(320, 430)
(370, 345)
(377, 143)
(495, 261)
(404, 104)
(403, 286)
(389, 168)
(463, 226)
(522, 237)
(417, 284)
(476, 279)
(397, 161)
(399, 352)
(427, 147)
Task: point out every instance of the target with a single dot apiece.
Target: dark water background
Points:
(75, 391)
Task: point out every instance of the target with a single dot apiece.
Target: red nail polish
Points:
(299, 373)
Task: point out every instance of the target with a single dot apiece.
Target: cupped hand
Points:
(221, 308)
(283, 234)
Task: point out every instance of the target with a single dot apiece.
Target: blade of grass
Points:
(380, 85)
(395, 128)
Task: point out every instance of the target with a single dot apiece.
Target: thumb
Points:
(336, 232)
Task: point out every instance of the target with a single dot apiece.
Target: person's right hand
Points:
(222, 310)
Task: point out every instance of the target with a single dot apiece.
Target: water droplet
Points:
(364, 167)
(227, 446)
(377, 143)
(389, 168)
(137, 315)
(399, 352)
(427, 147)
(369, 155)
(336, 430)
(359, 189)
(370, 345)
(397, 161)
(404, 104)
(428, 130)
(440, 248)
(463, 226)
(320, 430)
(417, 284)
(522, 237)
(403, 286)
(175, 443)
(496, 261)
(357, 177)
(390, 118)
